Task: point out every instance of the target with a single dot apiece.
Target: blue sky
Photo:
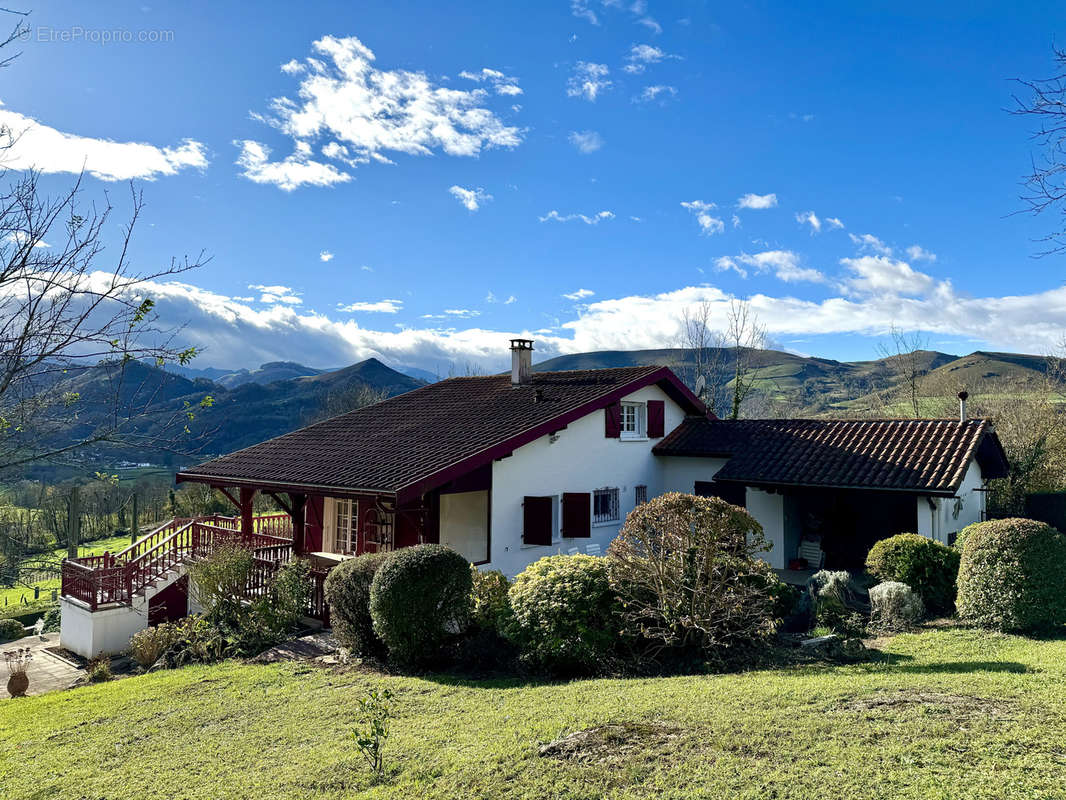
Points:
(577, 171)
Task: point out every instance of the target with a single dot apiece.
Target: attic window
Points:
(634, 421)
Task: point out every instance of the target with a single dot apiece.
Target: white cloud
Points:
(579, 294)
(272, 295)
(464, 313)
(642, 55)
(325, 255)
(234, 333)
(595, 219)
(650, 24)
(40, 147)
(584, 9)
(502, 84)
(366, 268)
(291, 173)
(653, 93)
(884, 275)
(470, 198)
(586, 141)
(360, 113)
(378, 307)
(20, 239)
(510, 299)
(709, 224)
(492, 298)
(869, 242)
(588, 80)
(918, 253)
(757, 201)
(784, 264)
(810, 218)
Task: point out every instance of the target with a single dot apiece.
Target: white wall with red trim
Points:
(580, 459)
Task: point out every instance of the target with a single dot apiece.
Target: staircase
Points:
(117, 579)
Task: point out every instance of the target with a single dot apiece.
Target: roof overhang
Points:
(279, 486)
(841, 487)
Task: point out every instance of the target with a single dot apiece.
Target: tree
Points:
(1045, 185)
(746, 337)
(904, 356)
(351, 397)
(706, 348)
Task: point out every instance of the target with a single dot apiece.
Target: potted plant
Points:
(17, 662)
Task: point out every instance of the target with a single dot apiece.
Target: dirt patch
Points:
(956, 706)
(612, 743)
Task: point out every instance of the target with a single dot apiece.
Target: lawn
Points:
(948, 714)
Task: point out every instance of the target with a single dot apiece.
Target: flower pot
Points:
(17, 684)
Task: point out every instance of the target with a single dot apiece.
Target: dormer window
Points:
(634, 421)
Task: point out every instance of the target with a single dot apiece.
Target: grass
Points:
(20, 595)
(948, 714)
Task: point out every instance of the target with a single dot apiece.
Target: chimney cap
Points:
(964, 395)
(521, 344)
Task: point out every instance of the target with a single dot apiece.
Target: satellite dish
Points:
(701, 384)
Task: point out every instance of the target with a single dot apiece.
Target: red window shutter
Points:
(537, 520)
(612, 421)
(577, 515)
(656, 419)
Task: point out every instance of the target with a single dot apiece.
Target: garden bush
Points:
(149, 645)
(564, 615)
(286, 603)
(99, 669)
(839, 603)
(11, 629)
(219, 583)
(489, 607)
(348, 595)
(52, 621)
(688, 572)
(419, 598)
(1013, 576)
(927, 566)
(894, 606)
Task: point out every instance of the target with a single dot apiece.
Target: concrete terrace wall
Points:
(580, 460)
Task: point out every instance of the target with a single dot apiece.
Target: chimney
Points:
(962, 405)
(521, 362)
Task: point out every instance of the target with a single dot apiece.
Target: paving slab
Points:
(47, 673)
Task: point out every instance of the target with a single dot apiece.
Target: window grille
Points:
(605, 505)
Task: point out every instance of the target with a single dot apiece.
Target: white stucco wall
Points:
(769, 511)
(580, 460)
(950, 515)
(463, 517)
(680, 473)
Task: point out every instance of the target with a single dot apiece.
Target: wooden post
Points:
(135, 528)
(73, 523)
(298, 514)
(247, 514)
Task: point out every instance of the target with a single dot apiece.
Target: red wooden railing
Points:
(118, 578)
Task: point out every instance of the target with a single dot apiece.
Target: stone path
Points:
(47, 672)
(305, 648)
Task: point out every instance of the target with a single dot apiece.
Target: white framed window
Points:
(640, 495)
(345, 526)
(605, 506)
(634, 421)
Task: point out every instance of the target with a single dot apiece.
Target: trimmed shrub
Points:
(419, 598)
(11, 629)
(348, 595)
(1013, 576)
(963, 535)
(688, 572)
(894, 606)
(149, 645)
(927, 566)
(564, 615)
(489, 606)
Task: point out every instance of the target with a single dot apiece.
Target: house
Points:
(507, 469)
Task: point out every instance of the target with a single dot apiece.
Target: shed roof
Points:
(927, 456)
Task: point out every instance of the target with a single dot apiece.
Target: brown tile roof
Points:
(926, 456)
(411, 442)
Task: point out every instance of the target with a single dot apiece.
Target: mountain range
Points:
(251, 405)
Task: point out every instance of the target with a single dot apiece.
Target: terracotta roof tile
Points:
(408, 438)
(912, 455)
